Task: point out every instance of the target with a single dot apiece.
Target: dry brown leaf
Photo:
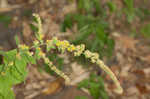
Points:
(139, 72)
(78, 74)
(142, 88)
(131, 91)
(26, 30)
(147, 71)
(54, 86)
(125, 41)
(146, 58)
(125, 71)
(69, 8)
(27, 33)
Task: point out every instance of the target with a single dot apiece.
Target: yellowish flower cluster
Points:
(60, 73)
(49, 42)
(111, 74)
(65, 45)
(39, 23)
(41, 53)
(93, 56)
(11, 63)
(36, 42)
(41, 36)
(62, 45)
(24, 47)
(79, 50)
(30, 53)
(71, 48)
(95, 59)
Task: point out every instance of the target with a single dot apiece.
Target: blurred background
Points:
(119, 30)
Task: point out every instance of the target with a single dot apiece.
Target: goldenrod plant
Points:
(13, 68)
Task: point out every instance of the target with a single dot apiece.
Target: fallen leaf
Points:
(139, 72)
(54, 86)
(142, 88)
(131, 90)
(26, 30)
(126, 42)
(78, 74)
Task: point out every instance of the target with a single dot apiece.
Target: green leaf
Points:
(27, 58)
(21, 65)
(103, 94)
(110, 46)
(2, 52)
(94, 45)
(5, 19)
(59, 63)
(67, 23)
(50, 46)
(129, 4)
(33, 28)
(10, 56)
(6, 79)
(13, 71)
(94, 90)
(36, 55)
(6, 93)
(17, 40)
(84, 5)
(84, 84)
(32, 60)
(85, 32)
(100, 32)
(129, 10)
(97, 6)
(145, 30)
(81, 97)
(112, 6)
(6, 82)
(95, 86)
(27, 12)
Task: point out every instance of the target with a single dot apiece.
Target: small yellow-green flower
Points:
(41, 36)
(46, 60)
(58, 43)
(39, 48)
(71, 48)
(48, 41)
(18, 56)
(30, 53)
(11, 63)
(87, 54)
(36, 42)
(96, 55)
(2, 73)
(55, 40)
(66, 43)
(23, 47)
(39, 23)
(42, 54)
(79, 50)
